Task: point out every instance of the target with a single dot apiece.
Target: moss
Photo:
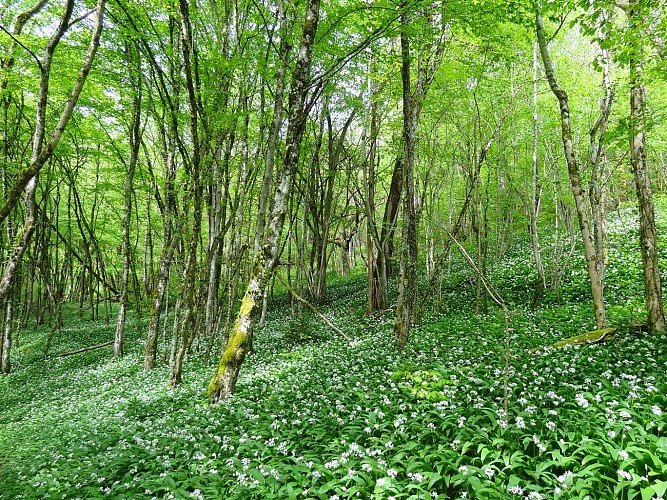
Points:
(238, 341)
(247, 305)
(235, 350)
(593, 337)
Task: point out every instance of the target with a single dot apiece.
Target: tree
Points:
(638, 15)
(135, 132)
(223, 382)
(631, 43)
(573, 173)
(42, 149)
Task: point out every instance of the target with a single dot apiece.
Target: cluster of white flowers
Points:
(415, 476)
(515, 490)
(624, 474)
(582, 401)
(539, 444)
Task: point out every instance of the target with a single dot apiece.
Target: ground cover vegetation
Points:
(297, 249)
(316, 416)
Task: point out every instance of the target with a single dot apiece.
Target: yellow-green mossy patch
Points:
(594, 337)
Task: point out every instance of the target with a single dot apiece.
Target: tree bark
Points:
(274, 130)
(573, 173)
(638, 163)
(223, 382)
(535, 190)
(597, 191)
(188, 330)
(128, 193)
(6, 338)
(407, 284)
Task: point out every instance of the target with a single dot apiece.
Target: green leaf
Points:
(660, 488)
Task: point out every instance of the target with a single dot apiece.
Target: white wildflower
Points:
(624, 474)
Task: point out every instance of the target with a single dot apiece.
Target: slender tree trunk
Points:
(407, 285)
(458, 225)
(5, 355)
(274, 130)
(41, 151)
(638, 163)
(368, 170)
(150, 353)
(535, 190)
(128, 193)
(597, 190)
(385, 248)
(573, 173)
(188, 330)
(223, 382)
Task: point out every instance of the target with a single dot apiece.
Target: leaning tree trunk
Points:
(223, 382)
(42, 151)
(647, 231)
(573, 173)
(385, 244)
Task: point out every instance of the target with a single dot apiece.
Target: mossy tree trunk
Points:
(223, 382)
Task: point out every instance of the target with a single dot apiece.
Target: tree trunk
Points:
(573, 173)
(385, 245)
(276, 124)
(638, 163)
(368, 170)
(407, 284)
(6, 348)
(42, 152)
(128, 193)
(223, 382)
(188, 330)
(597, 190)
(535, 191)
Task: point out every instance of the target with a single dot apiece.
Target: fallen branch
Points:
(312, 308)
(84, 349)
(498, 300)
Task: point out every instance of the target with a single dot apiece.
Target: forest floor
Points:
(318, 417)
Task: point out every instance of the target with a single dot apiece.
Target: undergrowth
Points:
(317, 417)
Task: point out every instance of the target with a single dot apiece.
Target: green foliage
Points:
(318, 418)
(424, 384)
